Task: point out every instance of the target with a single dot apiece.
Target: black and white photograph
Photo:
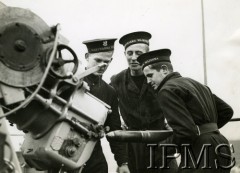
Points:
(119, 86)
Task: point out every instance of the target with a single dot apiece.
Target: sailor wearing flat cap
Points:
(192, 110)
(135, 44)
(159, 57)
(134, 38)
(138, 103)
(101, 51)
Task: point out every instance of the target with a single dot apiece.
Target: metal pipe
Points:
(204, 45)
(147, 136)
(235, 119)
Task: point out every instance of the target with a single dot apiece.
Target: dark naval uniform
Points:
(97, 162)
(140, 111)
(195, 114)
(139, 108)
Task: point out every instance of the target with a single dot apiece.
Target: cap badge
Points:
(105, 43)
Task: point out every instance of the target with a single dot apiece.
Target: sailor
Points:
(192, 110)
(101, 51)
(137, 102)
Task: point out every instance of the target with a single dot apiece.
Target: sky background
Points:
(174, 24)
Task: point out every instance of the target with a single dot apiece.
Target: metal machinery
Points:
(62, 121)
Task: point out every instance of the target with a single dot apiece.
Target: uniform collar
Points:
(130, 83)
(131, 86)
(172, 75)
(93, 79)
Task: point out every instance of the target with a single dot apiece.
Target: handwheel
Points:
(59, 62)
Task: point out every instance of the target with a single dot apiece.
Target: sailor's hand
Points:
(123, 169)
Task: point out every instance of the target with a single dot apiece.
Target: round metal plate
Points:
(21, 47)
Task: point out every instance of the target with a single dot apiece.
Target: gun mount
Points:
(52, 106)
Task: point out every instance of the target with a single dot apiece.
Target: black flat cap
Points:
(100, 45)
(151, 57)
(134, 38)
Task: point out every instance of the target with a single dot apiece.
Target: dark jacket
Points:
(140, 111)
(187, 104)
(139, 108)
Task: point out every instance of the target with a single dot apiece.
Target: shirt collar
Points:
(172, 75)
